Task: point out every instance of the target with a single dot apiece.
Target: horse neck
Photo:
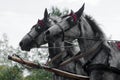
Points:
(71, 49)
(59, 46)
(87, 32)
(55, 47)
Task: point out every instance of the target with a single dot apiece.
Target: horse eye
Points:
(55, 21)
(72, 20)
(38, 28)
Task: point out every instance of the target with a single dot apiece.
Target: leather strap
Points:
(55, 58)
(62, 31)
(103, 67)
(80, 54)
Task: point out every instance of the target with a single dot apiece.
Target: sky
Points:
(18, 16)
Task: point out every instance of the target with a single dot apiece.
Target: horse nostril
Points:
(21, 44)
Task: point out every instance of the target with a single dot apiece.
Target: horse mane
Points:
(95, 27)
(64, 16)
(97, 30)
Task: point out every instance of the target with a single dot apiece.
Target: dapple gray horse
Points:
(35, 38)
(101, 64)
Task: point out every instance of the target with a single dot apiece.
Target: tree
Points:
(58, 12)
(39, 75)
(13, 71)
(5, 50)
(10, 73)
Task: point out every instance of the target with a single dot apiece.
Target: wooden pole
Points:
(54, 70)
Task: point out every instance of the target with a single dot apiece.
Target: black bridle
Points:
(87, 66)
(33, 39)
(63, 34)
(76, 21)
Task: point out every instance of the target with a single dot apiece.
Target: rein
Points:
(78, 55)
(82, 54)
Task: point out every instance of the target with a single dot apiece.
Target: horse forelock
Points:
(55, 18)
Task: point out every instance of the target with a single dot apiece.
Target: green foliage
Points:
(56, 11)
(9, 70)
(39, 75)
(15, 73)
(10, 73)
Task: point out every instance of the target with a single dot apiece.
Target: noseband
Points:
(33, 39)
(63, 34)
(63, 31)
(43, 24)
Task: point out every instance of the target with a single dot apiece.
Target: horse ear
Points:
(80, 11)
(71, 12)
(46, 14)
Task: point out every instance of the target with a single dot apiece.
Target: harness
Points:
(63, 34)
(102, 67)
(95, 50)
(33, 39)
(87, 66)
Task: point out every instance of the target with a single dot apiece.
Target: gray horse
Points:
(35, 38)
(101, 64)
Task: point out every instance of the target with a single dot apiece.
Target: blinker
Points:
(40, 22)
(74, 16)
(118, 45)
(72, 20)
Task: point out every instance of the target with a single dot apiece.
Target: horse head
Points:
(35, 37)
(67, 27)
(75, 26)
